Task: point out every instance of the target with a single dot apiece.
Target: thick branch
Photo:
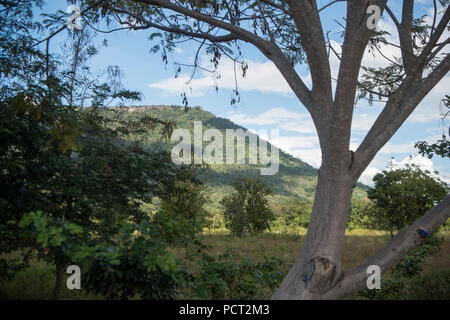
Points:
(357, 36)
(307, 20)
(239, 32)
(270, 50)
(405, 35)
(394, 114)
(404, 101)
(277, 6)
(406, 239)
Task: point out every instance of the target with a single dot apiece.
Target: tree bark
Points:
(318, 266)
(58, 282)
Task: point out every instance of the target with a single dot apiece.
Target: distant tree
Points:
(247, 210)
(182, 214)
(359, 211)
(399, 198)
(297, 213)
(404, 195)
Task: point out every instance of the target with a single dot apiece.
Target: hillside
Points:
(295, 178)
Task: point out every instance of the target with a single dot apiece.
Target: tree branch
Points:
(396, 111)
(307, 20)
(270, 50)
(405, 35)
(406, 239)
(173, 29)
(357, 36)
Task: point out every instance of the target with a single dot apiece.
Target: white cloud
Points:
(391, 148)
(293, 143)
(422, 162)
(260, 76)
(363, 121)
(281, 118)
(271, 116)
(305, 148)
(312, 156)
(178, 50)
(368, 174)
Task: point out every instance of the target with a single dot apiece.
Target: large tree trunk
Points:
(318, 266)
(317, 272)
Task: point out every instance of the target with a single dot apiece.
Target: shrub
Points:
(182, 214)
(227, 277)
(297, 213)
(136, 264)
(247, 210)
(401, 196)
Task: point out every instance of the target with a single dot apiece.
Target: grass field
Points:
(37, 281)
(359, 245)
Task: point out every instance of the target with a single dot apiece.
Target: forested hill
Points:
(295, 178)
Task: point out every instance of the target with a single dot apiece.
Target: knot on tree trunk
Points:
(321, 275)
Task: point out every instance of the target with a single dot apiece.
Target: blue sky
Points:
(266, 100)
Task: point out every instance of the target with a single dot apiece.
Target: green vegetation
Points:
(36, 282)
(181, 215)
(408, 280)
(401, 196)
(247, 209)
(96, 187)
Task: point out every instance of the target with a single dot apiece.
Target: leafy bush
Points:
(401, 196)
(412, 264)
(297, 213)
(182, 214)
(227, 277)
(435, 286)
(247, 209)
(360, 211)
(136, 264)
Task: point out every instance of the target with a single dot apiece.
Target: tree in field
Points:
(247, 209)
(359, 210)
(291, 32)
(182, 214)
(297, 212)
(402, 196)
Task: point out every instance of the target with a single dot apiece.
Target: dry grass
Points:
(358, 246)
